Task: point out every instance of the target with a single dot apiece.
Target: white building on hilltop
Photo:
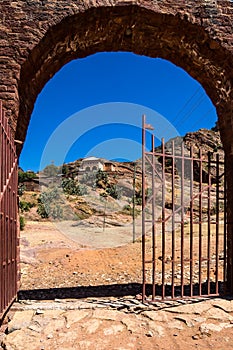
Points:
(92, 164)
(95, 164)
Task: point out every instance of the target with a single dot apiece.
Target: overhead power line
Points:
(203, 117)
(186, 104)
(190, 111)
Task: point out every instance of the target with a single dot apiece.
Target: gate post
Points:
(229, 193)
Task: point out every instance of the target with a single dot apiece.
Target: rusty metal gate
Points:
(184, 224)
(8, 216)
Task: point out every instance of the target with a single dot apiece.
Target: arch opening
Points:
(103, 202)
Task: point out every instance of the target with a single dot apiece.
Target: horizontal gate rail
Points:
(8, 216)
(184, 222)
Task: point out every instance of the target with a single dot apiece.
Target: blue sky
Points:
(118, 87)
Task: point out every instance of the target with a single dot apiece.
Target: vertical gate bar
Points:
(4, 211)
(225, 229)
(209, 224)
(11, 271)
(1, 154)
(4, 151)
(7, 223)
(15, 240)
(4, 218)
(182, 219)
(17, 246)
(143, 209)
(10, 284)
(217, 221)
(17, 235)
(1, 215)
(133, 200)
(10, 203)
(13, 231)
(163, 220)
(200, 223)
(153, 219)
(173, 219)
(191, 221)
(7, 218)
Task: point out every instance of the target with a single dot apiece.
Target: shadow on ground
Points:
(116, 290)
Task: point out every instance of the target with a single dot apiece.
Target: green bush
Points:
(41, 210)
(49, 196)
(56, 212)
(21, 189)
(138, 197)
(21, 223)
(128, 210)
(49, 204)
(112, 191)
(101, 179)
(51, 170)
(88, 178)
(25, 206)
(65, 169)
(72, 187)
(25, 176)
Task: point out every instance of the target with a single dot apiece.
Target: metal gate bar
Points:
(8, 216)
(183, 229)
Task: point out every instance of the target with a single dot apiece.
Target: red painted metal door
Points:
(9, 236)
(184, 222)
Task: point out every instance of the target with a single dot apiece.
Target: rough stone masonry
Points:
(37, 37)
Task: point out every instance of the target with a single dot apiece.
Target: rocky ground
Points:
(81, 297)
(120, 324)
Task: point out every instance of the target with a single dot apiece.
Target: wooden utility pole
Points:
(134, 182)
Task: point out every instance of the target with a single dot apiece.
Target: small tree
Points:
(72, 187)
(47, 202)
(112, 191)
(21, 189)
(25, 176)
(56, 212)
(51, 170)
(21, 223)
(65, 169)
(101, 179)
(41, 210)
(25, 206)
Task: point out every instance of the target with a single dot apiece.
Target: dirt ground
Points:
(71, 255)
(46, 251)
(59, 265)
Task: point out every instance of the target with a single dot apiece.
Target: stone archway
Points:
(39, 37)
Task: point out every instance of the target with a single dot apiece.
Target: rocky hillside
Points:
(72, 194)
(203, 139)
